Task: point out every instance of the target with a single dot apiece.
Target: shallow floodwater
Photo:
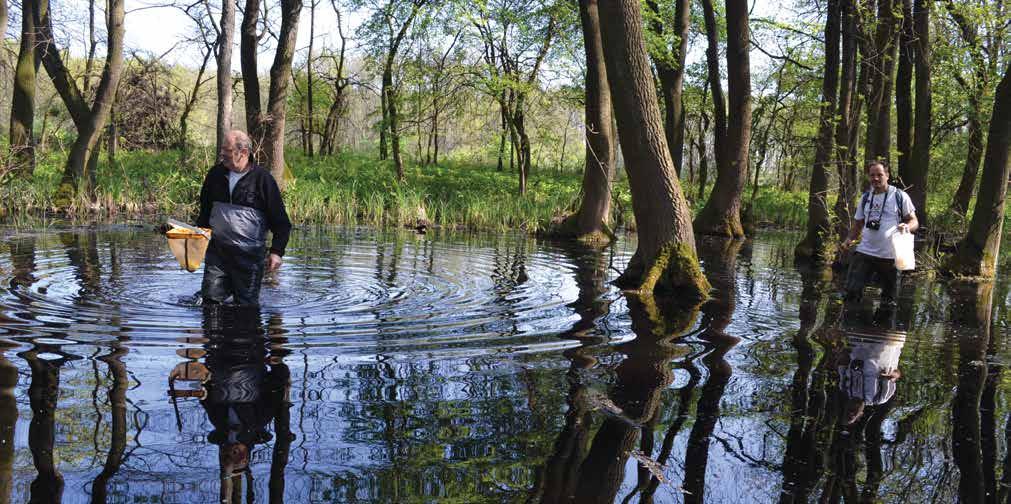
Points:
(394, 367)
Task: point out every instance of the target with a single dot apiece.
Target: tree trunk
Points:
(703, 159)
(278, 96)
(721, 215)
(223, 56)
(310, 117)
(672, 82)
(89, 121)
(23, 103)
(815, 245)
(881, 65)
(920, 159)
(389, 93)
(391, 106)
(502, 134)
(589, 223)
(191, 102)
(384, 124)
(981, 72)
(665, 256)
(974, 155)
(847, 121)
(4, 16)
(248, 45)
(522, 141)
(904, 93)
(976, 254)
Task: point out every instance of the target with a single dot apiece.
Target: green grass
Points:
(348, 189)
(356, 189)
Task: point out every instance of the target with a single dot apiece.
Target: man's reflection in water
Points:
(869, 367)
(244, 386)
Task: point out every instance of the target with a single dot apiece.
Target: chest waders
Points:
(235, 258)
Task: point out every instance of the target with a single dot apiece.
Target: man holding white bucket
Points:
(240, 201)
(881, 211)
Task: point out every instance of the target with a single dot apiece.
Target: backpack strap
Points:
(863, 203)
(900, 202)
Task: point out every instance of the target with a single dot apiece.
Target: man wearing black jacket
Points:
(240, 201)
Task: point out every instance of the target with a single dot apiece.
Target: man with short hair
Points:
(240, 201)
(882, 210)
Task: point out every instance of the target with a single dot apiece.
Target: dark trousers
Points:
(864, 269)
(232, 274)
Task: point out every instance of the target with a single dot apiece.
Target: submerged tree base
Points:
(568, 229)
(968, 262)
(815, 251)
(723, 225)
(675, 270)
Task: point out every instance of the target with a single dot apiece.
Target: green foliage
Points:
(346, 189)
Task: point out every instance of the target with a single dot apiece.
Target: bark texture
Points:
(223, 55)
(665, 256)
(590, 222)
(976, 254)
(89, 120)
(721, 215)
(815, 245)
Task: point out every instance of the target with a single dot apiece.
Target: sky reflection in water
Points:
(391, 367)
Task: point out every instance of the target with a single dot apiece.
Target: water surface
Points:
(394, 367)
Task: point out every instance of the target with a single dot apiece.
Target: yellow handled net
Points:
(188, 246)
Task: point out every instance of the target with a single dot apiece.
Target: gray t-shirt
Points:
(233, 178)
(884, 206)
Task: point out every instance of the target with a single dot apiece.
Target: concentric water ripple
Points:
(357, 291)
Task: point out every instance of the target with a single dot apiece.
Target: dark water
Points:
(390, 367)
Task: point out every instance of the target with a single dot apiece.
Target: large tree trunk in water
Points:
(715, 86)
(881, 64)
(22, 124)
(226, 36)
(248, 42)
(920, 159)
(846, 124)
(976, 254)
(665, 256)
(589, 223)
(89, 120)
(672, 82)
(722, 214)
(815, 244)
(276, 100)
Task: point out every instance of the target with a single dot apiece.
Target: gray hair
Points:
(240, 140)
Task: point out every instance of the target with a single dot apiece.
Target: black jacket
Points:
(256, 189)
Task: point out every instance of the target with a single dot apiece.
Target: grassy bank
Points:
(349, 189)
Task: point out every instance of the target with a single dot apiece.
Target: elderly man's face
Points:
(233, 158)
